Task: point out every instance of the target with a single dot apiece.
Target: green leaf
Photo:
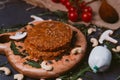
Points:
(33, 63)
(13, 28)
(81, 73)
(61, 15)
(13, 47)
(81, 27)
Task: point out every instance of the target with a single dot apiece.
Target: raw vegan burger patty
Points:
(49, 39)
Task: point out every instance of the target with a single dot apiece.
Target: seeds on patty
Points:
(48, 39)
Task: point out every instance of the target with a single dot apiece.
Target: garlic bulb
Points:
(99, 59)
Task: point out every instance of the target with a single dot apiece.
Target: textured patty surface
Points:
(48, 39)
(44, 55)
(50, 35)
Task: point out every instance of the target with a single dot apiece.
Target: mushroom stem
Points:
(106, 36)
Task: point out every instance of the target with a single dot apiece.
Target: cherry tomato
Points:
(64, 1)
(86, 16)
(82, 4)
(67, 4)
(71, 8)
(87, 9)
(56, 1)
(73, 16)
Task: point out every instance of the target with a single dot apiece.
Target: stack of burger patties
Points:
(48, 40)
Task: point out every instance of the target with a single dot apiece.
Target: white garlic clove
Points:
(18, 36)
(99, 59)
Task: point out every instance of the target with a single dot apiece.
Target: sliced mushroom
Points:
(58, 79)
(45, 66)
(18, 36)
(36, 18)
(106, 36)
(79, 79)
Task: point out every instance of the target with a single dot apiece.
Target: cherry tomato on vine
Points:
(64, 1)
(73, 16)
(87, 9)
(86, 16)
(82, 4)
(56, 1)
(67, 4)
(71, 8)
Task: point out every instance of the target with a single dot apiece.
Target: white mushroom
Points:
(18, 76)
(79, 79)
(106, 36)
(117, 49)
(42, 79)
(45, 66)
(18, 36)
(76, 50)
(90, 30)
(36, 18)
(58, 79)
(6, 70)
(94, 41)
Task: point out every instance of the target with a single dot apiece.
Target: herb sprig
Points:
(33, 63)
(13, 47)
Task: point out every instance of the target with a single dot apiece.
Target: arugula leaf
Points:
(81, 73)
(13, 47)
(33, 63)
(61, 15)
(4, 29)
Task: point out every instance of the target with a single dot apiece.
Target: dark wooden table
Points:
(15, 13)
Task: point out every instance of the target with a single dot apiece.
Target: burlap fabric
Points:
(98, 21)
(95, 6)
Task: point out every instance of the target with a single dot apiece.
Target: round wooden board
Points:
(59, 67)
